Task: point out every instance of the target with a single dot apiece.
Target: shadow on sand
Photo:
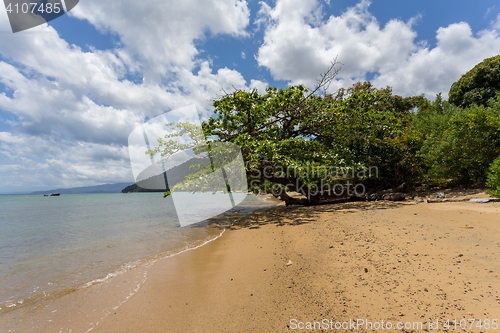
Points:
(297, 215)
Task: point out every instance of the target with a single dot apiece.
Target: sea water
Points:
(50, 244)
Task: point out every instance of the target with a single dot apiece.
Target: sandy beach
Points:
(323, 268)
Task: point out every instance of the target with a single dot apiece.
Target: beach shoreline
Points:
(282, 269)
(54, 252)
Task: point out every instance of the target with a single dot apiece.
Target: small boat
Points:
(55, 194)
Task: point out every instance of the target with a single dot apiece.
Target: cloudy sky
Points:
(71, 91)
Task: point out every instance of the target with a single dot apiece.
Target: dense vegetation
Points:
(459, 144)
(322, 145)
(309, 143)
(493, 180)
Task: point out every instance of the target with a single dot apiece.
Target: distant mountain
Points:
(149, 184)
(106, 188)
(160, 181)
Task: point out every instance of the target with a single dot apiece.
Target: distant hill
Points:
(106, 188)
(135, 188)
(149, 184)
(157, 183)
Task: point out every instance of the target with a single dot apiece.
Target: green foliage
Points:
(196, 174)
(459, 144)
(493, 179)
(291, 131)
(275, 132)
(295, 134)
(372, 126)
(169, 145)
(430, 121)
(432, 116)
(478, 85)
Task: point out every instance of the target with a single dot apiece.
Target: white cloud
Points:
(43, 163)
(263, 15)
(496, 23)
(488, 11)
(299, 51)
(259, 85)
(161, 33)
(431, 71)
(73, 109)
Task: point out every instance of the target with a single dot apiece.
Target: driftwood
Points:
(398, 196)
(312, 196)
(328, 197)
(477, 200)
(392, 194)
(289, 200)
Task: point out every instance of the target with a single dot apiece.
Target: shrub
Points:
(463, 143)
(493, 180)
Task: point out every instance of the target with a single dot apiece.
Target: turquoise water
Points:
(49, 244)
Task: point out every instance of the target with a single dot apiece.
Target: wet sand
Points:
(288, 268)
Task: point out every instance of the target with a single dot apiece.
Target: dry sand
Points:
(396, 262)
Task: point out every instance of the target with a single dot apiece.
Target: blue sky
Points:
(71, 91)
